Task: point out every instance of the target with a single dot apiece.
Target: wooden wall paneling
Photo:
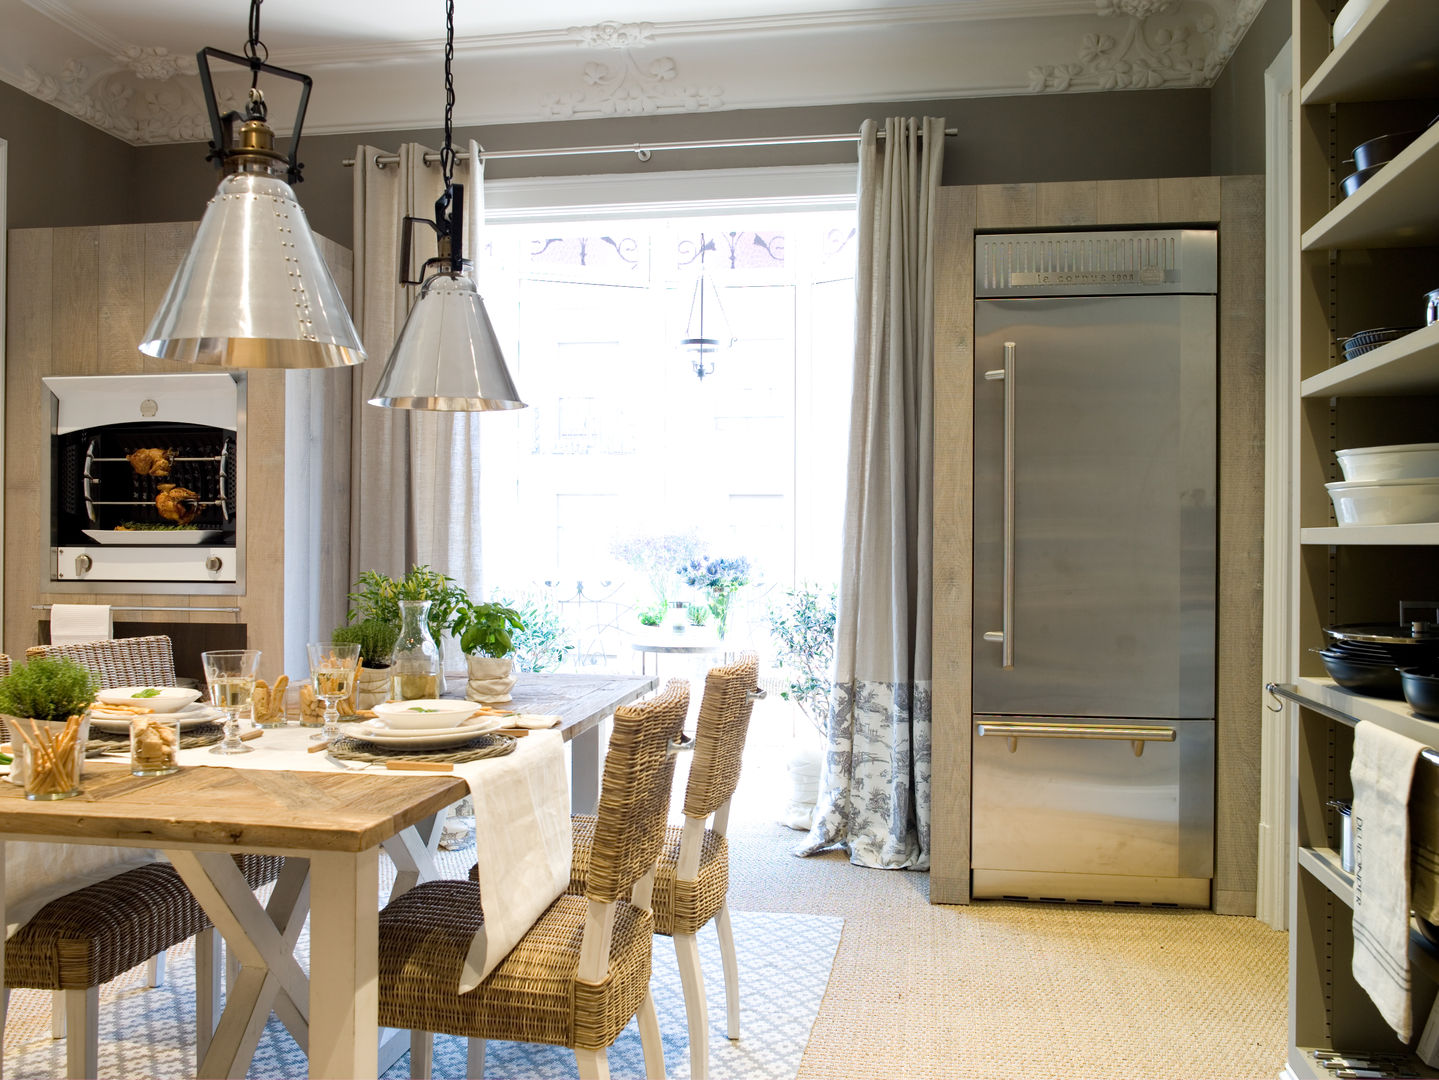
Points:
(121, 298)
(1006, 206)
(1189, 199)
(1241, 554)
(29, 322)
(263, 604)
(165, 246)
(74, 301)
(1128, 202)
(953, 546)
(1068, 205)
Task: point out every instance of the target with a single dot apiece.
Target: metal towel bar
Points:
(149, 607)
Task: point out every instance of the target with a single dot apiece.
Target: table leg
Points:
(413, 860)
(344, 964)
(585, 771)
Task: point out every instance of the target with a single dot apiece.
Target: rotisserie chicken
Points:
(177, 504)
(150, 461)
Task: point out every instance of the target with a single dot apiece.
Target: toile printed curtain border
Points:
(875, 782)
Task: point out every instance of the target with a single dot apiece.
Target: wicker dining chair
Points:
(583, 970)
(133, 661)
(693, 876)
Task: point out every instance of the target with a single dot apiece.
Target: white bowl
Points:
(1385, 502)
(424, 713)
(1410, 461)
(1348, 15)
(169, 698)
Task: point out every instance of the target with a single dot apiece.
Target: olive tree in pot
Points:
(485, 633)
(802, 625)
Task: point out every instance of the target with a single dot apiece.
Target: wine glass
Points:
(333, 667)
(230, 675)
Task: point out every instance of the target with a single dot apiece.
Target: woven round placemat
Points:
(477, 749)
(190, 738)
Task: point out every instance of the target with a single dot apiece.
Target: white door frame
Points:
(1281, 426)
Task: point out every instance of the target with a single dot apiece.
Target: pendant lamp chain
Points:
(447, 152)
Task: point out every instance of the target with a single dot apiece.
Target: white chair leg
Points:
(594, 1065)
(687, 952)
(650, 1041)
(155, 970)
(82, 1040)
(422, 1054)
(208, 964)
(731, 970)
(57, 1014)
(475, 1058)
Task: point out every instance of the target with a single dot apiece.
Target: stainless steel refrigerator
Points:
(1094, 566)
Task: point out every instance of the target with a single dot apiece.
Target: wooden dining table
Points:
(331, 827)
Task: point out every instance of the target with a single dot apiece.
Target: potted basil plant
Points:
(486, 632)
(376, 639)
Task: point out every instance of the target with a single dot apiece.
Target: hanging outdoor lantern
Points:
(706, 327)
(447, 357)
(253, 291)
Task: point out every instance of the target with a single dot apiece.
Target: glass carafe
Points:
(415, 663)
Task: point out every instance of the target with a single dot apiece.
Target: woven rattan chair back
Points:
(719, 735)
(135, 661)
(635, 792)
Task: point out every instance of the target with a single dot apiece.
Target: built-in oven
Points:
(146, 483)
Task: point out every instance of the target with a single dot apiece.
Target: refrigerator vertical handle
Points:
(1006, 635)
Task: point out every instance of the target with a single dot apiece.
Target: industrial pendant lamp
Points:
(706, 328)
(253, 292)
(447, 358)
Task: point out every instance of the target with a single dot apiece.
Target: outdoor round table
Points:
(669, 643)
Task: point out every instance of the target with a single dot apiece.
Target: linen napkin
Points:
(70, 624)
(532, 720)
(522, 848)
(1381, 773)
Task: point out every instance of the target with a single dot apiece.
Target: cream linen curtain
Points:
(415, 474)
(874, 787)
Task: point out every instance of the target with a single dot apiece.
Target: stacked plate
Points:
(1387, 485)
(118, 720)
(1364, 341)
(424, 725)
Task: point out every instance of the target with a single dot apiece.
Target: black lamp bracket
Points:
(222, 128)
(449, 226)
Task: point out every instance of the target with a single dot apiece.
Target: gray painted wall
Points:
(1237, 97)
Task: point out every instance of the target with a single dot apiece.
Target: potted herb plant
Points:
(46, 704)
(376, 640)
(486, 632)
(420, 606)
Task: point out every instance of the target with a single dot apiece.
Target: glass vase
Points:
(415, 663)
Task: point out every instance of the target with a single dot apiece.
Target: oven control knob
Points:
(213, 563)
(82, 564)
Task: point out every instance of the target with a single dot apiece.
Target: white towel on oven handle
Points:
(71, 624)
(1381, 772)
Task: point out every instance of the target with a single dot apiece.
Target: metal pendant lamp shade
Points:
(254, 291)
(447, 357)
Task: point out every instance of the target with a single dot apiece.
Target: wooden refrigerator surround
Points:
(79, 302)
(1235, 206)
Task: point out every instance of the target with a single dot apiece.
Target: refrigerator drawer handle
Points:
(1135, 736)
(1005, 635)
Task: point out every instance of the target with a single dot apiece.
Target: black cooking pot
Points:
(1385, 148)
(1362, 676)
(1421, 690)
(1351, 183)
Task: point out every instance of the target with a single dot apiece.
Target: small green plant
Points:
(375, 638)
(698, 614)
(378, 596)
(802, 625)
(653, 616)
(545, 640)
(45, 689)
(486, 629)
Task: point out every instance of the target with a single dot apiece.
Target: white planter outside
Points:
(803, 768)
(491, 679)
(372, 686)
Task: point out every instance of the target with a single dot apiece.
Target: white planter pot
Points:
(372, 686)
(803, 767)
(491, 679)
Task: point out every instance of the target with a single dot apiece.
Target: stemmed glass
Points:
(333, 667)
(230, 675)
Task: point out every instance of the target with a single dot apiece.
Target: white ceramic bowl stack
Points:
(1387, 485)
(160, 699)
(428, 714)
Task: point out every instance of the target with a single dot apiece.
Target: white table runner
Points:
(522, 826)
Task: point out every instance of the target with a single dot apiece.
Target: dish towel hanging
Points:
(70, 624)
(1381, 773)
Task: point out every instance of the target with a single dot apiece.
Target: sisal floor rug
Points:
(784, 962)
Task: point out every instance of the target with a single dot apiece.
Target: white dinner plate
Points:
(372, 732)
(103, 719)
(153, 537)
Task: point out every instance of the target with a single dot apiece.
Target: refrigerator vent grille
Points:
(1011, 260)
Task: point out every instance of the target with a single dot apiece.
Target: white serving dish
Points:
(169, 699)
(1385, 502)
(153, 537)
(1409, 461)
(372, 731)
(424, 713)
(1346, 18)
(193, 716)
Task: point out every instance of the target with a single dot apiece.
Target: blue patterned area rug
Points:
(784, 964)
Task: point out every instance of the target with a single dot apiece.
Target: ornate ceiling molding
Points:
(629, 86)
(1164, 43)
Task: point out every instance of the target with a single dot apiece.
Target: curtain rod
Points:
(642, 150)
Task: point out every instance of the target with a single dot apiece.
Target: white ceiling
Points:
(127, 66)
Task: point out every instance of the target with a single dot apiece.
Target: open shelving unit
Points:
(1355, 267)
